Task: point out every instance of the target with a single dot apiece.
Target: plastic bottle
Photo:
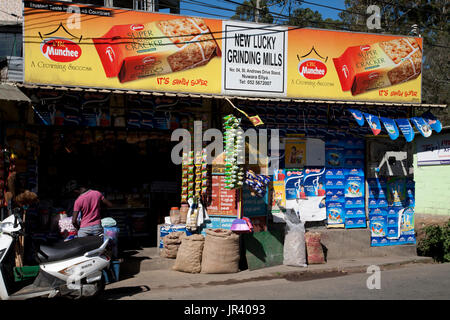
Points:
(175, 215)
(183, 213)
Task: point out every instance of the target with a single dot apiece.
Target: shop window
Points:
(10, 44)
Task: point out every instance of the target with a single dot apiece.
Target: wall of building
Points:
(10, 6)
(432, 186)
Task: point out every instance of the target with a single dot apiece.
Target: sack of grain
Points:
(221, 252)
(189, 256)
(294, 251)
(171, 244)
(314, 248)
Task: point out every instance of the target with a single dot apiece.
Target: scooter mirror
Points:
(17, 218)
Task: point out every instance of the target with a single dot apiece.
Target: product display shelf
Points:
(124, 218)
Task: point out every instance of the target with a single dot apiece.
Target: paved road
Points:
(428, 281)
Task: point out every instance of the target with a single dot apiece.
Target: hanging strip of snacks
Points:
(191, 174)
(234, 152)
(194, 175)
(184, 178)
(204, 172)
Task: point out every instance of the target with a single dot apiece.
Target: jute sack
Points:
(189, 256)
(314, 248)
(173, 237)
(171, 244)
(221, 252)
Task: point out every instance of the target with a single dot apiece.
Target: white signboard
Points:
(434, 150)
(254, 59)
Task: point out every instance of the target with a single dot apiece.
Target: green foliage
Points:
(436, 243)
(446, 241)
(247, 12)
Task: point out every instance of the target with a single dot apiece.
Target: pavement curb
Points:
(170, 279)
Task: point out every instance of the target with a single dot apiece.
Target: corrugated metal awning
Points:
(10, 92)
(207, 96)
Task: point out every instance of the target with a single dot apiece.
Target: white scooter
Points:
(72, 268)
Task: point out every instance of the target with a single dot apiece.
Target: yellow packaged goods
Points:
(135, 51)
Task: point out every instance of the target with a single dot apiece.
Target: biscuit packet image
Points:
(379, 65)
(135, 51)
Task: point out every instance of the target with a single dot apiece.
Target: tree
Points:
(295, 15)
(247, 12)
(305, 17)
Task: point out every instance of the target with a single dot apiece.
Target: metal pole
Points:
(257, 11)
(150, 5)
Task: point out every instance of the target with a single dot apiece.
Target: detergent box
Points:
(334, 173)
(354, 172)
(354, 202)
(355, 213)
(378, 227)
(334, 156)
(335, 192)
(335, 213)
(382, 203)
(354, 153)
(377, 212)
(377, 183)
(335, 197)
(335, 184)
(355, 222)
(354, 187)
(376, 193)
(354, 163)
(373, 203)
(393, 211)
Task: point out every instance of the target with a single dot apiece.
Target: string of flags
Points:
(424, 124)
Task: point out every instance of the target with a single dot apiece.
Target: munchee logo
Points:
(312, 69)
(137, 27)
(60, 50)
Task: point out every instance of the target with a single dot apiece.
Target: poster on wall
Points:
(312, 206)
(305, 193)
(295, 152)
(223, 201)
(434, 150)
(278, 200)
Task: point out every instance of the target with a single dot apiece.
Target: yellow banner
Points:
(79, 45)
(354, 66)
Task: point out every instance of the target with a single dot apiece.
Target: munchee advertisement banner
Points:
(72, 44)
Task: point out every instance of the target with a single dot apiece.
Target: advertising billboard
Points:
(81, 45)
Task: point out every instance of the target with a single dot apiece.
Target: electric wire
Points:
(199, 2)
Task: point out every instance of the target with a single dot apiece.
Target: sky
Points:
(194, 8)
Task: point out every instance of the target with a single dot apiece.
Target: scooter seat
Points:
(68, 249)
